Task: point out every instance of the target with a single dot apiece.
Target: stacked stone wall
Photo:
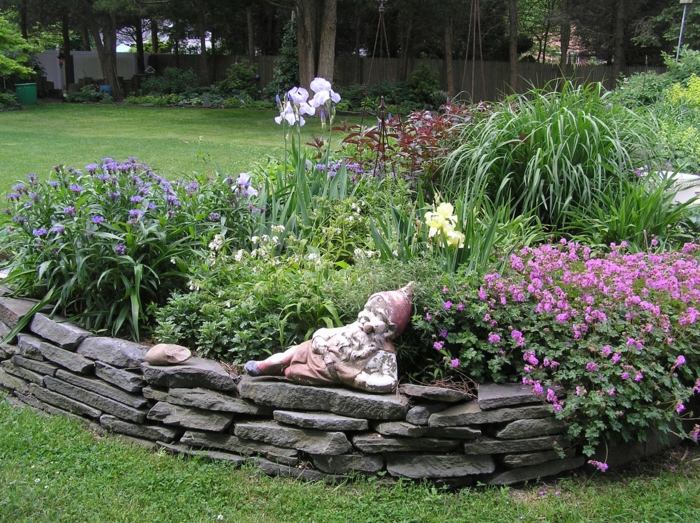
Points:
(504, 435)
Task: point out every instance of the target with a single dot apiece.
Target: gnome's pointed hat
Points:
(400, 307)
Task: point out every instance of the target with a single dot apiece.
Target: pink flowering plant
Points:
(608, 339)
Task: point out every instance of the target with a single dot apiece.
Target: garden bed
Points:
(535, 261)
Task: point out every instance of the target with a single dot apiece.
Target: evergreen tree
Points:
(286, 71)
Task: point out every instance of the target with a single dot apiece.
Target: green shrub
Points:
(109, 244)
(241, 79)
(285, 74)
(248, 304)
(425, 88)
(173, 81)
(609, 340)
(688, 65)
(679, 116)
(642, 210)
(8, 100)
(155, 99)
(641, 89)
(89, 93)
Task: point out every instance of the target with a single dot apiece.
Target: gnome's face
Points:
(378, 312)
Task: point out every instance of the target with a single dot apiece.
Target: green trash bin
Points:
(26, 93)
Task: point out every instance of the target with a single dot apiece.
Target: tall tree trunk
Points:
(251, 34)
(619, 53)
(326, 52)
(140, 60)
(547, 26)
(85, 36)
(405, 73)
(305, 39)
(513, 41)
(154, 35)
(23, 24)
(449, 70)
(202, 29)
(67, 55)
(103, 28)
(565, 35)
(212, 69)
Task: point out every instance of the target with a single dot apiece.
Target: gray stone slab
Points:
(153, 394)
(246, 447)
(375, 443)
(420, 414)
(497, 395)
(95, 400)
(21, 372)
(4, 331)
(150, 445)
(471, 414)
(320, 420)
(534, 458)
(400, 428)
(29, 346)
(41, 367)
(15, 403)
(307, 440)
(57, 330)
(370, 406)
(268, 467)
(349, 464)
(530, 428)
(4, 355)
(48, 409)
(9, 349)
(497, 446)
(12, 310)
(125, 380)
(151, 432)
(208, 454)
(287, 395)
(190, 417)
(117, 353)
(454, 433)
(534, 472)
(63, 402)
(10, 382)
(284, 394)
(195, 372)
(297, 473)
(67, 359)
(435, 393)
(434, 466)
(103, 389)
(214, 400)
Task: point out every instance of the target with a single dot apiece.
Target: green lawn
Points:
(174, 141)
(55, 470)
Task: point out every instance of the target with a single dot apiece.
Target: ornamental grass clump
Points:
(608, 340)
(546, 150)
(107, 243)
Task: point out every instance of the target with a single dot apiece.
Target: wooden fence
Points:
(475, 81)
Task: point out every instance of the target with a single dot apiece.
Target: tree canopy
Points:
(616, 32)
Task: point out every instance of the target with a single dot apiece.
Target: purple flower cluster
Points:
(599, 465)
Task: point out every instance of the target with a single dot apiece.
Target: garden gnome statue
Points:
(360, 355)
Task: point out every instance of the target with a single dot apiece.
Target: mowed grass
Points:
(174, 141)
(55, 470)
